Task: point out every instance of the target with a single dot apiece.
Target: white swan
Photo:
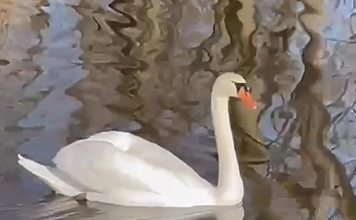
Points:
(124, 169)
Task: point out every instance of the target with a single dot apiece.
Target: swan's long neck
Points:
(230, 185)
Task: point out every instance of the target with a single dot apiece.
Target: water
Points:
(71, 68)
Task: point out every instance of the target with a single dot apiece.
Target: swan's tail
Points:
(47, 175)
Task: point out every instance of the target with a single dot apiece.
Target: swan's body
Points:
(124, 169)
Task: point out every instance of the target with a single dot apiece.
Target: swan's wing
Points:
(102, 165)
(152, 154)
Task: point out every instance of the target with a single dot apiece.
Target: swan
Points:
(123, 169)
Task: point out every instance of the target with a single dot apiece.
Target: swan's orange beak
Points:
(246, 98)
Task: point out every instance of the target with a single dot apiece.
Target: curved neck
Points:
(230, 186)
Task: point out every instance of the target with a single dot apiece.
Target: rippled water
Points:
(71, 68)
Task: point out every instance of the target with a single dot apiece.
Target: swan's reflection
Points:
(220, 213)
(64, 207)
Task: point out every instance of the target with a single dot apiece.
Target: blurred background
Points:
(70, 68)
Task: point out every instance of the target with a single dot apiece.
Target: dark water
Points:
(71, 68)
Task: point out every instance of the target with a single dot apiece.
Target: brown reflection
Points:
(205, 54)
(234, 29)
(110, 54)
(15, 13)
(16, 71)
(333, 189)
(247, 48)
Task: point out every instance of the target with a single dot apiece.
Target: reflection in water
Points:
(65, 208)
(333, 187)
(71, 68)
(62, 208)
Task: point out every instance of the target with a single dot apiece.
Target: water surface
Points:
(71, 68)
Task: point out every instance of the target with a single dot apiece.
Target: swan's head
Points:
(233, 85)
